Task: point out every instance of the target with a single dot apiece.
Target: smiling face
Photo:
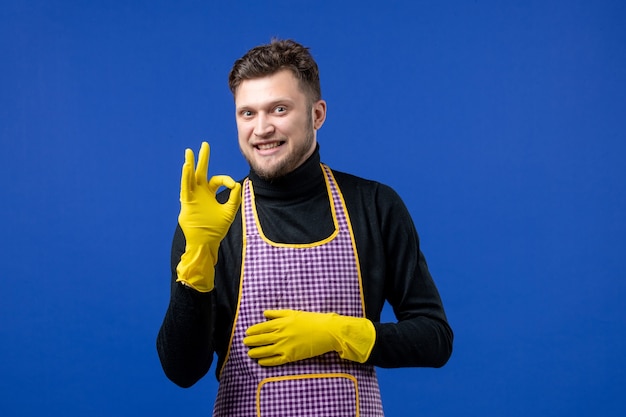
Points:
(277, 123)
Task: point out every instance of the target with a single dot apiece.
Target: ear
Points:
(319, 114)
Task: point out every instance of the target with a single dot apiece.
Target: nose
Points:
(263, 126)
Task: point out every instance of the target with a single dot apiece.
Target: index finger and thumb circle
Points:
(217, 181)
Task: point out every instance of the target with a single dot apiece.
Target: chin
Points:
(268, 174)
(271, 173)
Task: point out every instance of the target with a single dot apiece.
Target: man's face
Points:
(276, 123)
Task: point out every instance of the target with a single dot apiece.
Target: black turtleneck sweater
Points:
(296, 209)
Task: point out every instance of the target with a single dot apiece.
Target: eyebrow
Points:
(279, 100)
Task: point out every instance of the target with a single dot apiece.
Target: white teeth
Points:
(268, 146)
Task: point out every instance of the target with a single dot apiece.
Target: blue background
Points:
(500, 123)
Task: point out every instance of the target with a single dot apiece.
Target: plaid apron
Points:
(318, 277)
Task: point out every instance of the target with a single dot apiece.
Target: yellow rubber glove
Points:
(203, 219)
(291, 335)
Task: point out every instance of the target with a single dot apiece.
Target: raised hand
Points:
(203, 219)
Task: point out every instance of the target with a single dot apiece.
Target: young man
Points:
(286, 275)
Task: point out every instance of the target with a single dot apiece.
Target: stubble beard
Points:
(290, 162)
(287, 164)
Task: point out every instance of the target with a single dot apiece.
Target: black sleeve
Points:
(421, 336)
(394, 270)
(184, 342)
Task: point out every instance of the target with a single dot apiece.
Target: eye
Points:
(280, 109)
(246, 113)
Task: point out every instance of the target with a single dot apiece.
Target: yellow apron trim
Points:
(243, 256)
(352, 242)
(307, 376)
(298, 245)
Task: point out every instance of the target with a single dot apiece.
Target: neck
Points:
(298, 183)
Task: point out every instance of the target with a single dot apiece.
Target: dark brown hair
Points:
(268, 59)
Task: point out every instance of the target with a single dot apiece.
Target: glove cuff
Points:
(197, 267)
(356, 337)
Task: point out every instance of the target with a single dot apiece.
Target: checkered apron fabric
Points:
(318, 277)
